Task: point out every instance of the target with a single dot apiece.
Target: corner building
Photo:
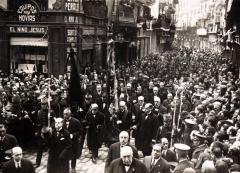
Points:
(36, 35)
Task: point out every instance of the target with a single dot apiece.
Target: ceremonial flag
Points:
(111, 65)
(75, 94)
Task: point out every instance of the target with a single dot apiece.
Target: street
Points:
(84, 164)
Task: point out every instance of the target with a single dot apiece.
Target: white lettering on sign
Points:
(27, 29)
(37, 30)
(26, 18)
(71, 32)
(22, 29)
(72, 5)
(27, 13)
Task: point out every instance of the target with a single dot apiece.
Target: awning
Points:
(28, 41)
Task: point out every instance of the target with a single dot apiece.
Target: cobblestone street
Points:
(84, 164)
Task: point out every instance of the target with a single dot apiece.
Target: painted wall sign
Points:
(27, 12)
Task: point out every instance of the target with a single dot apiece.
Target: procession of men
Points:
(180, 107)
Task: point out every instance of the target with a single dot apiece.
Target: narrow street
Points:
(84, 164)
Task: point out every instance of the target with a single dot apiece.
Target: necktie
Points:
(18, 166)
(57, 133)
(152, 164)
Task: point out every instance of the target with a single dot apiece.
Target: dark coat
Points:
(183, 165)
(26, 167)
(146, 132)
(114, 153)
(158, 112)
(97, 98)
(59, 152)
(75, 128)
(169, 155)
(138, 110)
(164, 132)
(7, 143)
(161, 165)
(126, 118)
(94, 131)
(136, 167)
(167, 104)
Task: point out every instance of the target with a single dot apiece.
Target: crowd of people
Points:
(181, 107)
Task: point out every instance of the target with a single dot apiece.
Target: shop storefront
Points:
(38, 38)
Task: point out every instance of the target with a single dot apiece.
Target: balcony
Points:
(162, 22)
(95, 9)
(126, 13)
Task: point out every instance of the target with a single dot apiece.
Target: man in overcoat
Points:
(95, 121)
(146, 130)
(75, 129)
(60, 145)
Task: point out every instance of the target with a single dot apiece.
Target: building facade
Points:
(141, 27)
(200, 23)
(36, 35)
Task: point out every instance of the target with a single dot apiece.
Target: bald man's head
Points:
(123, 138)
(126, 155)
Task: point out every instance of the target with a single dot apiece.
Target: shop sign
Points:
(201, 32)
(72, 5)
(28, 29)
(73, 19)
(63, 5)
(72, 39)
(27, 13)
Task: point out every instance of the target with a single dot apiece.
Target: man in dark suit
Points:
(97, 96)
(75, 129)
(124, 117)
(167, 153)
(155, 163)
(183, 162)
(127, 164)
(95, 121)
(146, 130)
(114, 149)
(60, 145)
(7, 142)
(18, 164)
